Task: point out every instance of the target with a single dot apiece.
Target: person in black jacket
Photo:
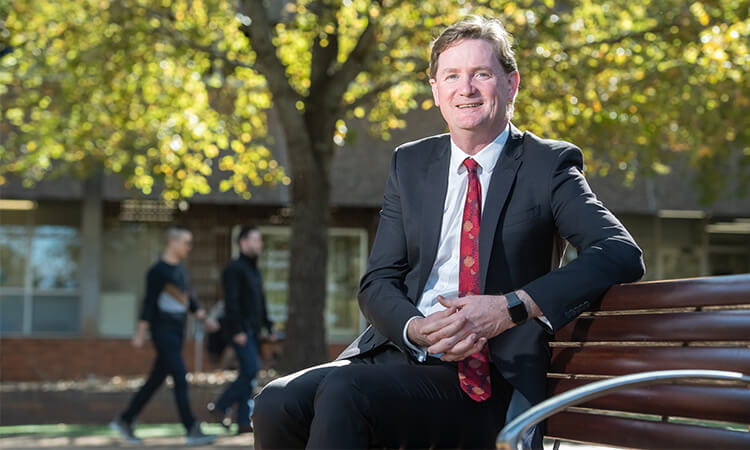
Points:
(244, 317)
(165, 307)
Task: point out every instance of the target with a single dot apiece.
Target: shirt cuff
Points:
(546, 322)
(419, 353)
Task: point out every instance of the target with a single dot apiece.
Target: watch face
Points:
(518, 314)
(516, 309)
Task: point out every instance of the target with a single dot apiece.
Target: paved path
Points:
(158, 436)
(243, 442)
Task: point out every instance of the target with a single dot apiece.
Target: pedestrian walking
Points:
(245, 317)
(166, 304)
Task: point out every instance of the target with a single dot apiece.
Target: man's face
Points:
(182, 244)
(252, 244)
(472, 89)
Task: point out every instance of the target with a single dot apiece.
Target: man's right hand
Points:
(137, 340)
(211, 325)
(447, 329)
(421, 330)
(240, 338)
(140, 334)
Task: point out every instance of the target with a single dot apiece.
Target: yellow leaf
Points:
(661, 169)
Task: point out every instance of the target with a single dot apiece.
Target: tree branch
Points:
(359, 58)
(185, 41)
(270, 66)
(6, 51)
(363, 53)
(659, 28)
(213, 51)
(323, 58)
(333, 86)
(616, 39)
(366, 99)
(261, 40)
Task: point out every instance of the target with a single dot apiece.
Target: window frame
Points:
(27, 291)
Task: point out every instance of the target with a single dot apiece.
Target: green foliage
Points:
(168, 92)
(642, 84)
(93, 83)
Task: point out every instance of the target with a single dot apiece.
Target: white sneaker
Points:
(196, 437)
(125, 430)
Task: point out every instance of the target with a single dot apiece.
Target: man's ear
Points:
(433, 86)
(514, 80)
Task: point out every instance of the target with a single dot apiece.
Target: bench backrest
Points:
(701, 323)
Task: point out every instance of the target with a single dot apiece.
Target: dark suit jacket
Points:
(244, 301)
(537, 196)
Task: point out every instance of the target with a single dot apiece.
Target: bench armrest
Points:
(509, 437)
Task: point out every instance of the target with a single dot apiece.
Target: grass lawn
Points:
(63, 430)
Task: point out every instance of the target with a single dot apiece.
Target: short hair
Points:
(174, 231)
(475, 27)
(245, 231)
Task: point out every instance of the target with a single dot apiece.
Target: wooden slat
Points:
(687, 326)
(690, 292)
(624, 360)
(731, 404)
(643, 434)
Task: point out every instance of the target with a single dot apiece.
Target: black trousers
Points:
(167, 336)
(379, 400)
(240, 392)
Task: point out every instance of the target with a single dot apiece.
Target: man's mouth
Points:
(469, 105)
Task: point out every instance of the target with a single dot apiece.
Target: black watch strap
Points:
(516, 308)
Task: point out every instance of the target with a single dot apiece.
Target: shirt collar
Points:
(486, 158)
(252, 260)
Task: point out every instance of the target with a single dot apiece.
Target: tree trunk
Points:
(310, 150)
(305, 327)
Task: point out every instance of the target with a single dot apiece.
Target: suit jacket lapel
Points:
(435, 187)
(497, 194)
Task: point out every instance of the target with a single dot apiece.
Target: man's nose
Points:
(466, 86)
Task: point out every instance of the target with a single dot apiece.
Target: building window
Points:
(39, 271)
(129, 249)
(729, 246)
(347, 259)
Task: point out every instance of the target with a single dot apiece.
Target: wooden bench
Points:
(700, 323)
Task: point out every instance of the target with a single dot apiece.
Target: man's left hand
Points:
(484, 316)
(211, 325)
(240, 338)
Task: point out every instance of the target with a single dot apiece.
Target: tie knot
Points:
(471, 165)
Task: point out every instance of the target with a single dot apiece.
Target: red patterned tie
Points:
(474, 371)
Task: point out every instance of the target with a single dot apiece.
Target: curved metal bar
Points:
(509, 437)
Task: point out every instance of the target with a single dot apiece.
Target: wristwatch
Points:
(516, 308)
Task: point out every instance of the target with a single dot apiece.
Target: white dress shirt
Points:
(443, 278)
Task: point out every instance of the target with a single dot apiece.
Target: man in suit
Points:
(464, 285)
(245, 315)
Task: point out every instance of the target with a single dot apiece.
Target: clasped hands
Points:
(463, 328)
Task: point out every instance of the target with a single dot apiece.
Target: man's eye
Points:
(482, 75)
(451, 76)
